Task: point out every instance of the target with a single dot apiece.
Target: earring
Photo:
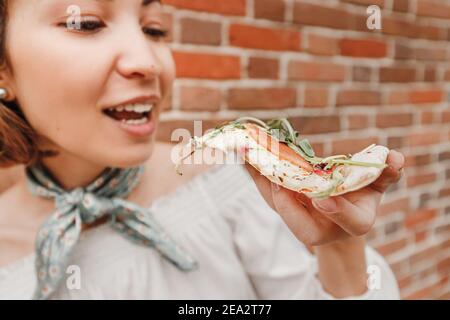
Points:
(3, 93)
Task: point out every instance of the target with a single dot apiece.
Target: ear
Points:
(7, 83)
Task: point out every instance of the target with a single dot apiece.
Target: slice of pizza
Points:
(276, 150)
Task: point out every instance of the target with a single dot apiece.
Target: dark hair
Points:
(18, 140)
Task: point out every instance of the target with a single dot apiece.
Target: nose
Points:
(138, 58)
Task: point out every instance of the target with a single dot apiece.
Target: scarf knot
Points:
(89, 206)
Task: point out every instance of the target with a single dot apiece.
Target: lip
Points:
(142, 130)
(146, 99)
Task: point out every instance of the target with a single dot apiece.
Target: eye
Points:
(86, 25)
(156, 33)
(91, 25)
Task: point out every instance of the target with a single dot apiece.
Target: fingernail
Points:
(275, 187)
(328, 205)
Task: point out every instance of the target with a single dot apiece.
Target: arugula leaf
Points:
(306, 147)
(282, 130)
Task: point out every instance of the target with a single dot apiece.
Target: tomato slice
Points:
(277, 148)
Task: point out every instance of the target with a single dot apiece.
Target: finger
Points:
(354, 219)
(392, 173)
(296, 216)
(262, 183)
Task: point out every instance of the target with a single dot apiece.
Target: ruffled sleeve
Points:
(278, 264)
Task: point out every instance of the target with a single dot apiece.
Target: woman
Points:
(100, 212)
(9, 176)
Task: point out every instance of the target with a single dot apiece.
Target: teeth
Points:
(135, 122)
(136, 107)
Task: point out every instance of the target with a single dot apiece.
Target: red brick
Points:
(405, 282)
(266, 98)
(424, 254)
(420, 179)
(391, 247)
(425, 138)
(444, 229)
(429, 292)
(415, 96)
(316, 124)
(263, 68)
(420, 217)
(316, 71)
(443, 266)
(248, 36)
(388, 74)
(445, 116)
(401, 5)
(389, 120)
(317, 15)
(420, 236)
(366, 3)
(430, 32)
(427, 117)
(396, 142)
(270, 9)
(200, 32)
(357, 97)
(398, 97)
(399, 267)
(403, 51)
(332, 17)
(444, 156)
(229, 7)
(399, 26)
(207, 66)
(430, 54)
(433, 9)
(430, 74)
(351, 146)
(417, 160)
(358, 121)
(447, 75)
(444, 192)
(200, 99)
(398, 205)
(363, 48)
(316, 97)
(322, 45)
(318, 148)
(363, 74)
(426, 96)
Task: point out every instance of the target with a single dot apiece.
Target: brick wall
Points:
(344, 87)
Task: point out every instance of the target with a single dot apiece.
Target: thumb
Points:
(274, 187)
(327, 205)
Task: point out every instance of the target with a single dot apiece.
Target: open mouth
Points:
(132, 114)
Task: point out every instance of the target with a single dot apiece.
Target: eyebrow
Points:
(144, 2)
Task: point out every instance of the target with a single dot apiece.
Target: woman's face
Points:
(65, 75)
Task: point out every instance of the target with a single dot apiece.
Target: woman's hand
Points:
(319, 222)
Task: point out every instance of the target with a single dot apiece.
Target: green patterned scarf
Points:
(59, 234)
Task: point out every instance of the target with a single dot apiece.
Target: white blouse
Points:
(243, 248)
